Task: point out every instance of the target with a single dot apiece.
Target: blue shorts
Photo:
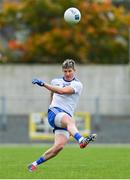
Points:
(52, 112)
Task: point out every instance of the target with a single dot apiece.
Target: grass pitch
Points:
(93, 162)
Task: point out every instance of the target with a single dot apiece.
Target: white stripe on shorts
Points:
(64, 132)
(58, 119)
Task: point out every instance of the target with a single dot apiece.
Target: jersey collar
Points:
(68, 80)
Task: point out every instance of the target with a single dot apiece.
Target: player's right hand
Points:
(38, 82)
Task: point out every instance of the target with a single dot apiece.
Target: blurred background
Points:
(35, 40)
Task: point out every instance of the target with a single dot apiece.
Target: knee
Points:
(71, 123)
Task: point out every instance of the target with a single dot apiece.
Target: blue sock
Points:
(40, 160)
(77, 136)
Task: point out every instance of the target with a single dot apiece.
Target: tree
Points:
(36, 32)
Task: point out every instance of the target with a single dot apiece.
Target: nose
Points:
(67, 73)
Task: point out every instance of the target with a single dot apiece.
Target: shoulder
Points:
(77, 81)
(77, 85)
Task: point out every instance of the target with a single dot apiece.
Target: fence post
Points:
(4, 115)
(97, 112)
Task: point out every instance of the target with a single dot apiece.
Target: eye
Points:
(65, 71)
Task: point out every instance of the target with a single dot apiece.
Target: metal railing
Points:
(95, 105)
(110, 117)
(115, 105)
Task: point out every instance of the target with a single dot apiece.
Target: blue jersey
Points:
(66, 102)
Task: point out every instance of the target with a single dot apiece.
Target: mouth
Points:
(68, 78)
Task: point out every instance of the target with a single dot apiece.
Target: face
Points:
(68, 74)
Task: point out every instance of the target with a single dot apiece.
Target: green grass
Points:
(94, 162)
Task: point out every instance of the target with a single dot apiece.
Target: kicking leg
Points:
(65, 121)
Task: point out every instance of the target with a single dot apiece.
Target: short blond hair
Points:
(68, 63)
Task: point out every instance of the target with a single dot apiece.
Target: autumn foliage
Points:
(35, 32)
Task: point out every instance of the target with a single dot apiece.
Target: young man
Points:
(65, 92)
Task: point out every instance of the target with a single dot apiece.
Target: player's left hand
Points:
(38, 82)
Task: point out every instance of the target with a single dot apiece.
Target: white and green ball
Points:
(72, 15)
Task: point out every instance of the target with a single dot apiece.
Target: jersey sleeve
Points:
(77, 86)
(53, 82)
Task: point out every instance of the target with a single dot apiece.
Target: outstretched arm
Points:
(59, 90)
(54, 89)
